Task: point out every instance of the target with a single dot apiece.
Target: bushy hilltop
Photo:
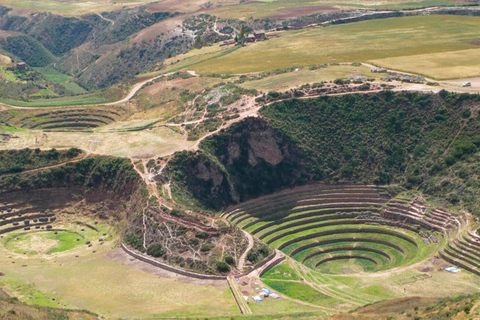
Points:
(417, 140)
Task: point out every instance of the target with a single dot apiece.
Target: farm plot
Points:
(355, 42)
(440, 66)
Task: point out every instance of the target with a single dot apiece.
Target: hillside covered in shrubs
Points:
(416, 140)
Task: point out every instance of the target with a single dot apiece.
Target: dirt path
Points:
(106, 19)
(241, 260)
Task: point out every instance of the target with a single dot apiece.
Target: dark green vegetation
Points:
(12, 161)
(28, 84)
(247, 160)
(29, 50)
(115, 176)
(42, 39)
(417, 140)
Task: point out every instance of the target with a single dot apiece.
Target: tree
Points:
(223, 267)
(241, 36)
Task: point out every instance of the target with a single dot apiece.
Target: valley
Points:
(239, 159)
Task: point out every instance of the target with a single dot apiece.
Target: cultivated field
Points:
(440, 66)
(355, 42)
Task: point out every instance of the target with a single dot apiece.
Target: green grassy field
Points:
(61, 78)
(355, 42)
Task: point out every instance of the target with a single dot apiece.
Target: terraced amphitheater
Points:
(464, 252)
(320, 225)
(73, 119)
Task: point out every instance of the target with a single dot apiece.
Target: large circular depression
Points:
(341, 229)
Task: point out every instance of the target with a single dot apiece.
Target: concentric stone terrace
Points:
(27, 214)
(464, 252)
(322, 225)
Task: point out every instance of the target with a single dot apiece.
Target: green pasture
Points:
(284, 307)
(353, 42)
(68, 236)
(347, 266)
(61, 78)
(301, 291)
(62, 241)
(281, 272)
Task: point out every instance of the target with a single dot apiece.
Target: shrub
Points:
(134, 240)
(202, 235)
(223, 267)
(206, 247)
(365, 86)
(155, 250)
(252, 257)
(450, 161)
(229, 259)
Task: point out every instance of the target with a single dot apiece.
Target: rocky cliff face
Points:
(247, 160)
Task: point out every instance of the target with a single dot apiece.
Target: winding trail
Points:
(241, 260)
(106, 19)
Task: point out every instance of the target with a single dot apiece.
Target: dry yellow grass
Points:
(108, 287)
(440, 66)
(354, 42)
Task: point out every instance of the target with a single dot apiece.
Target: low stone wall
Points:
(458, 264)
(164, 266)
(273, 264)
(342, 231)
(347, 239)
